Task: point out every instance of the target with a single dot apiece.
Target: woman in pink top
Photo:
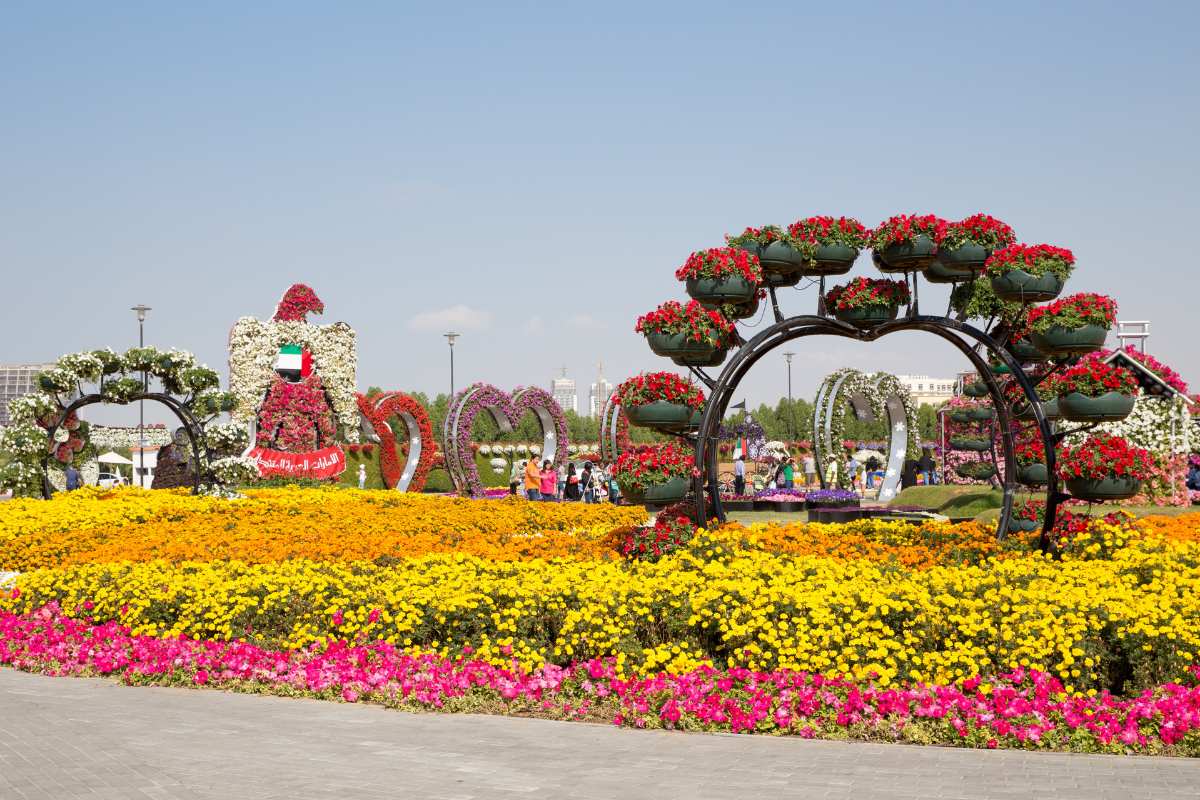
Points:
(549, 481)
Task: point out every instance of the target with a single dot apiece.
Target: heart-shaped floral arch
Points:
(376, 412)
(506, 411)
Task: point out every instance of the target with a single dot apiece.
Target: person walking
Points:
(926, 466)
(74, 479)
(587, 483)
(514, 476)
(571, 489)
(739, 475)
(549, 481)
(852, 472)
(533, 480)
(362, 476)
(789, 473)
(810, 470)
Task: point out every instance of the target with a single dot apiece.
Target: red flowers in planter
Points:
(1074, 312)
(666, 386)
(718, 262)
(1103, 455)
(694, 320)
(1031, 452)
(808, 234)
(864, 292)
(904, 228)
(1036, 259)
(650, 465)
(1094, 378)
(981, 229)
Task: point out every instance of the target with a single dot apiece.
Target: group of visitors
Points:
(786, 476)
(542, 482)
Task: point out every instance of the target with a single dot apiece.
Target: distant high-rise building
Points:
(17, 380)
(927, 391)
(600, 392)
(563, 390)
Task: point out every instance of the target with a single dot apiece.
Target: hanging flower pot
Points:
(1033, 475)
(999, 368)
(867, 302)
(1029, 273)
(1028, 517)
(1072, 325)
(1024, 351)
(1023, 411)
(976, 389)
(660, 494)
(976, 470)
(907, 243)
(744, 310)
(961, 416)
(1024, 525)
(689, 335)
(1104, 467)
(971, 444)
(1103, 489)
(1092, 391)
(965, 248)
(981, 413)
(657, 474)
(827, 245)
(721, 275)
(659, 400)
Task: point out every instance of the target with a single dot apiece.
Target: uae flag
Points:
(294, 362)
(739, 448)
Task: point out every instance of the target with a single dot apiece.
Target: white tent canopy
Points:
(113, 458)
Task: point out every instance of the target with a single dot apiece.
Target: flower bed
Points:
(1023, 708)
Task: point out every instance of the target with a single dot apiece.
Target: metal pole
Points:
(451, 336)
(791, 429)
(141, 310)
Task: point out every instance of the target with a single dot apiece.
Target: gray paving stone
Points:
(66, 738)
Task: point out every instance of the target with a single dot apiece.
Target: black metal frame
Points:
(968, 339)
(193, 429)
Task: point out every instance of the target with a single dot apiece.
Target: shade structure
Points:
(113, 458)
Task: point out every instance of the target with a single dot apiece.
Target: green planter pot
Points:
(986, 472)
(912, 256)
(1109, 488)
(660, 494)
(976, 389)
(962, 263)
(1050, 409)
(868, 316)
(1024, 525)
(971, 444)
(714, 292)
(999, 368)
(1023, 410)
(781, 259)
(659, 415)
(1108, 407)
(780, 281)
(1033, 475)
(1024, 351)
(830, 259)
(937, 272)
(684, 351)
(961, 416)
(753, 248)
(1020, 287)
(981, 413)
(742, 310)
(1059, 341)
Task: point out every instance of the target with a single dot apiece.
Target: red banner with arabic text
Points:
(321, 464)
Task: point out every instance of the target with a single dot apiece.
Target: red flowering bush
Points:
(1093, 378)
(904, 228)
(1036, 259)
(719, 262)
(693, 320)
(1047, 389)
(806, 235)
(650, 465)
(865, 292)
(1168, 375)
(666, 386)
(650, 543)
(296, 417)
(1074, 312)
(1030, 453)
(981, 229)
(1103, 455)
(298, 301)
(761, 236)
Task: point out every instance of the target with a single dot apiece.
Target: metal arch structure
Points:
(201, 454)
(849, 385)
(961, 335)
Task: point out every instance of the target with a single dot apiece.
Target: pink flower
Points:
(349, 695)
(201, 677)
(374, 615)
(338, 618)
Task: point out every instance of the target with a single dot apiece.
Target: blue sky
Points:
(533, 175)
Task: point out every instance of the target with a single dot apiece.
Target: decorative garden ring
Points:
(506, 412)
(614, 430)
(376, 411)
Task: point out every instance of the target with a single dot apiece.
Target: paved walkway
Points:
(73, 737)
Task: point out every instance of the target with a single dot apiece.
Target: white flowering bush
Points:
(254, 347)
(234, 470)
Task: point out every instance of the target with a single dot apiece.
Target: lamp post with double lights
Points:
(141, 309)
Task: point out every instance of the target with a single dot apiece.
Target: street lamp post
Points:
(141, 309)
(451, 337)
(791, 410)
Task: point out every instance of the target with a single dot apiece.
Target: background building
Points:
(563, 390)
(17, 380)
(600, 392)
(927, 391)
